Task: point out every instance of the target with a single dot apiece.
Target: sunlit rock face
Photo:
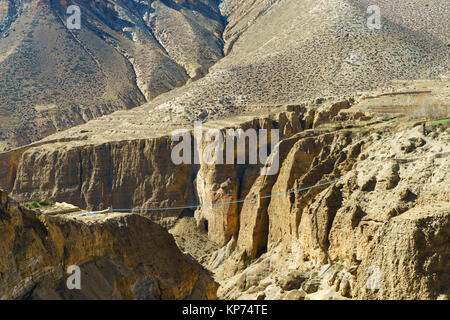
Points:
(120, 257)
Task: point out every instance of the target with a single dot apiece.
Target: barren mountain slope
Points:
(292, 51)
(278, 52)
(125, 52)
(306, 49)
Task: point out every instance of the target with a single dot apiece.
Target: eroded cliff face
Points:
(122, 256)
(380, 232)
(375, 225)
(135, 173)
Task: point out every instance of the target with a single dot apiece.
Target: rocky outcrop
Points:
(124, 174)
(411, 255)
(135, 173)
(372, 200)
(381, 232)
(121, 256)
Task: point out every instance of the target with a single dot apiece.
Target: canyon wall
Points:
(378, 213)
(124, 256)
(126, 174)
(380, 232)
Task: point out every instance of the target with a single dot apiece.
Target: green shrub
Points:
(44, 203)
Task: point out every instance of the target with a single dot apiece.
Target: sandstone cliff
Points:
(123, 256)
(379, 231)
(382, 232)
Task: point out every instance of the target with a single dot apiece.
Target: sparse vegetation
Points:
(442, 121)
(37, 204)
(249, 262)
(44, 203)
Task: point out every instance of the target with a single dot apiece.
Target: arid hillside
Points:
(288, 51)
(130, 52)
(125, 53)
